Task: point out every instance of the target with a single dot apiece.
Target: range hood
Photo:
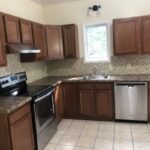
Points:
(22, 49)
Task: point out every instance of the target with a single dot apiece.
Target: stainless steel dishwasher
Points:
(131, 101)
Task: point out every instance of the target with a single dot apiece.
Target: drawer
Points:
(21, 112)
(103, 86)
(86, 86)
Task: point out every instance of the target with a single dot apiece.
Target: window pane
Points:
(96, 42)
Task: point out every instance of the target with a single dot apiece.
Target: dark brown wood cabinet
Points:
(87, 103)
(127, 35)
(104, 104)
(70, 41)
(17, 130)
(54, 42)
(26, 32)
(70, 97)
(145, 32)
(39, 37)
(12, 29)
(2, 43)
(89, 100)
(58, 95)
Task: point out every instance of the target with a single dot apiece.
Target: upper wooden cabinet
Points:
(127, 35)
(2, 43)
(54, 42)
(26, 32)
(145, 32)
(70, 41)
(39, 37)
(12, 29)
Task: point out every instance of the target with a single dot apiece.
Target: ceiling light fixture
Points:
(94, 10)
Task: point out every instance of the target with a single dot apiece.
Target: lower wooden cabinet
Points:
(104, 104)
(59, 107)
(87, 103)
(17, 130)
(70, 97)
(89, 100)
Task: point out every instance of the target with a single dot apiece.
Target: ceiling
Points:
(45, 2)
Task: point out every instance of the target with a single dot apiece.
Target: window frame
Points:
(84, 27)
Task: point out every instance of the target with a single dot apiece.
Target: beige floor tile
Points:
(123, 145)
(122, 127)
(73, 132)
(86, 142)
(139, 127)
(105, 134)
(65, 123)
(89, 133)
(50, 147)
(141, 135)
(82, 148)
(124, 135)
(79, 124)
(56, 138)
(68, 140)
(63, 147)
(141, 145)
(107, 126)
(103, 144)
(61, 131)
(92, 125)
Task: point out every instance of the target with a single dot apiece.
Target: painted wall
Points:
(76, 12)
(26, 9)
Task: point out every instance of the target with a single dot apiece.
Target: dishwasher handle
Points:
(130, 84)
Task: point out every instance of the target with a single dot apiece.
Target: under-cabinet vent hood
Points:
(22, 49)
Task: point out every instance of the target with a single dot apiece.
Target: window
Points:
(96, 47)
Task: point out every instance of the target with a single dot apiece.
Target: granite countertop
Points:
(10, 104)
(55, 80)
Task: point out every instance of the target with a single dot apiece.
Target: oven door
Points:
(44, 110)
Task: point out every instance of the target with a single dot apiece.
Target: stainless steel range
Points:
(43, 109)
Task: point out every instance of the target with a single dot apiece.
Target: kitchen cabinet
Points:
(70, 41)
(104, 104)
(89, 100)
(2, 43)
(12, 29)
(39, 37)
(127, 35)
(58, 96)
(70, 99)
(26, 32)
(54, 42)
(87, 103)
(145, 32)
(17, 130)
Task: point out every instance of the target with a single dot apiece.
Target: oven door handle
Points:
(40, 98)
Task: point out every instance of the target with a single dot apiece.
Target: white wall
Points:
(76, 12)
(26, 9)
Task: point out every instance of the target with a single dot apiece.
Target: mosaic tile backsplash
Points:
(119, 65)
(34, 71)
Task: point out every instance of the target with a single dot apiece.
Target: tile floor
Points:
(98, 135)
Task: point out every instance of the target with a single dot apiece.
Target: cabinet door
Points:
(146, 34)
(87, 103)
(12, 29)
(39, 37)
(22, 134)
(127, 36)
(59, 103)
(70, 100)
(54, 42)
(2, 43)
(26, 32)
(104, 104)
(70, 41)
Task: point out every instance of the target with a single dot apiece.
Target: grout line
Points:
(132, 136)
